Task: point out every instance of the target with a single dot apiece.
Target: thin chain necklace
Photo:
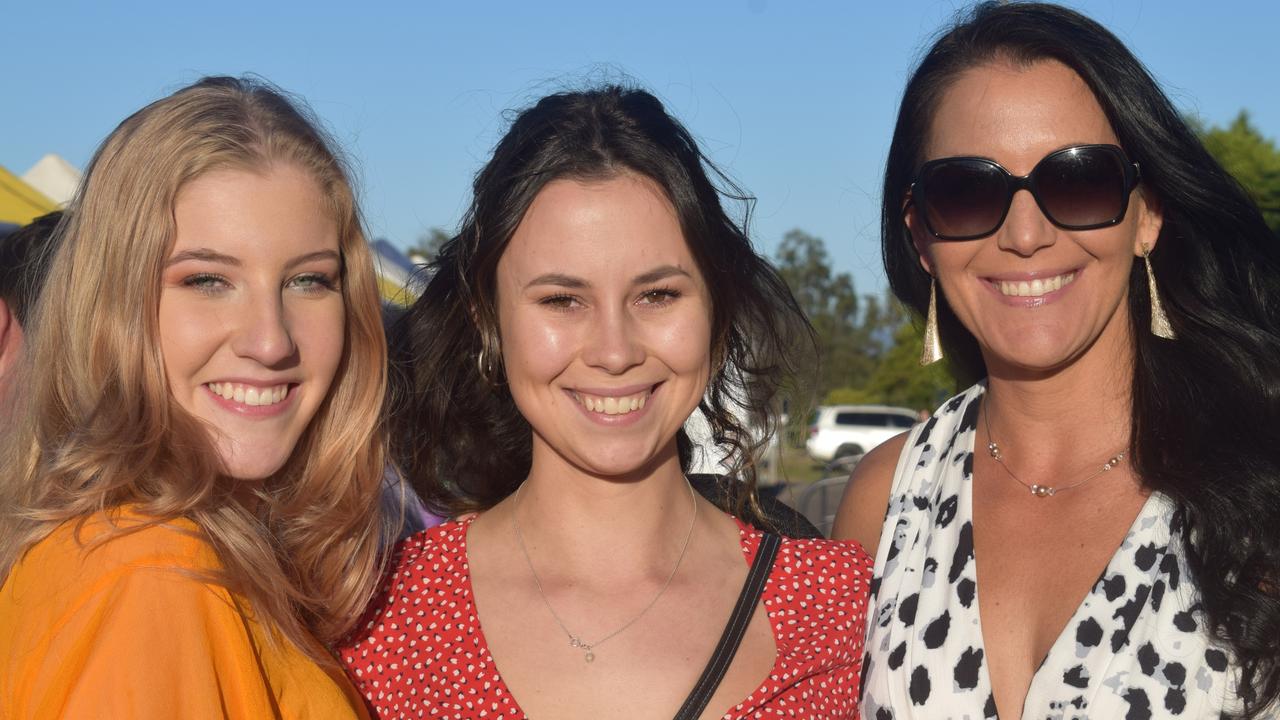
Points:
(574, 640)
(1041, 491)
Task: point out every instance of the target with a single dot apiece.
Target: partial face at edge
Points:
(251, 312)
(1016, 115)
(605, 324)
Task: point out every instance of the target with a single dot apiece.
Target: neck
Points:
(1081, 409)
(598, 521)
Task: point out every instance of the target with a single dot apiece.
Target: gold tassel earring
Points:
(1160, 326)
(932, 344)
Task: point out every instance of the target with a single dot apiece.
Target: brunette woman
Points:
(1089, 530)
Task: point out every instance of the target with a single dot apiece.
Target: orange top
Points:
(124, 630)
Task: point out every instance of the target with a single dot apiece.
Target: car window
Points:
(874, 419)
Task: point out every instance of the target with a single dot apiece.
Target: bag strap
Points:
(734, 631)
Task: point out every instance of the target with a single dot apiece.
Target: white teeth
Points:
(1035, 288)
(612, 405)
(247, 395)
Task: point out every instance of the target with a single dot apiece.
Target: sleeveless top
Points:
(420, 651)
(1135, 647)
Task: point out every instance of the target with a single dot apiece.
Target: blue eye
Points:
(207, 283)
(314, 283)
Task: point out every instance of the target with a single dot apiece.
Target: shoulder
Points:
(91, 551)
(439, 549)
(866, 496)
(106, 602)
(837, 567)
(822, 588)
(432, 562)
(845, 561)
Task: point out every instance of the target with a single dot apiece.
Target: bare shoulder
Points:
(866, 497)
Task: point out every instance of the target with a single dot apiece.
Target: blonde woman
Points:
(190, 507)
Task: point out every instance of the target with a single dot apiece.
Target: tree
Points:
(1252, 159)
(900, 380)
(428, 245)
(846, 345)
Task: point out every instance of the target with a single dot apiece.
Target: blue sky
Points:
(794, 99)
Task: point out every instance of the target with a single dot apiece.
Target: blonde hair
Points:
(98, 428)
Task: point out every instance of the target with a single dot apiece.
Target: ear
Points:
(1150, 219)
(919, 234)
(10, 339)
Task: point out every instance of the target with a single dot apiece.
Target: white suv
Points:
(838, 431)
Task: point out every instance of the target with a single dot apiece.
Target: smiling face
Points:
(251, 314)
(1035, 296)
(605, 324)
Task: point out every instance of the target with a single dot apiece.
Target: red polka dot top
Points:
(419, 652)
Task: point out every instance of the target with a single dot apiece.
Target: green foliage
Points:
(869, 348)
(900, 380)
(844, 322)
(1252, 159)
(427, 245)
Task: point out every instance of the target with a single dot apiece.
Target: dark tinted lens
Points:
(1082, 187)
(963, 198)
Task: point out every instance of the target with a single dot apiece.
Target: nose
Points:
(1025, 229)
(613, 343)
(263, 332)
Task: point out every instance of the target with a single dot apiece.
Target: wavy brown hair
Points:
(456, 431)
(99, 429)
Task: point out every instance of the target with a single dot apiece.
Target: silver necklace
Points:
(1041, 491)
(576, 641)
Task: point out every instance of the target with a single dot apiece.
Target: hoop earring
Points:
(932, 344)
(1160, 326)
(485, 365)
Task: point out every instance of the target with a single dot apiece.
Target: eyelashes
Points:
(653, 298)
(311, 283)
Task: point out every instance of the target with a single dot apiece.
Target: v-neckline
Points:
(482, 642)
(1107, 570)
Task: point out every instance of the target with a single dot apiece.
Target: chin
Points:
(249, 463)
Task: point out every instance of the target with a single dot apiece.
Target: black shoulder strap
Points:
(733, 631)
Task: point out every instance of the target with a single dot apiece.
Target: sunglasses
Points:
(1077, 188)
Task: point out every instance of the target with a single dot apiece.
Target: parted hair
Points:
(456, 432)
(1206, 406)
(99, 430)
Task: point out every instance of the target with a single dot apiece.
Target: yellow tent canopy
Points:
(19, 202)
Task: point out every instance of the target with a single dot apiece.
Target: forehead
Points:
(597, 228)
(1016, 114)
(243, 212)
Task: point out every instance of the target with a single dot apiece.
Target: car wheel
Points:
(847, 450)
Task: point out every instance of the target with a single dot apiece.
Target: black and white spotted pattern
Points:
(1134, 649)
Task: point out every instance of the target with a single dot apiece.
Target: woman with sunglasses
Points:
(1089, 530)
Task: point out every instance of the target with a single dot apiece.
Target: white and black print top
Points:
(1134, 648)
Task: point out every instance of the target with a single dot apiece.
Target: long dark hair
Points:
(1206, 407)
(456, 431)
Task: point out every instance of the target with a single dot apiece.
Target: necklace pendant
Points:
(1042, 491)
(574, 642)
(590, 656)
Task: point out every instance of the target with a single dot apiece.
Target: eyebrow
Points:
(207, 255)
(569, 281)
(204, 254)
